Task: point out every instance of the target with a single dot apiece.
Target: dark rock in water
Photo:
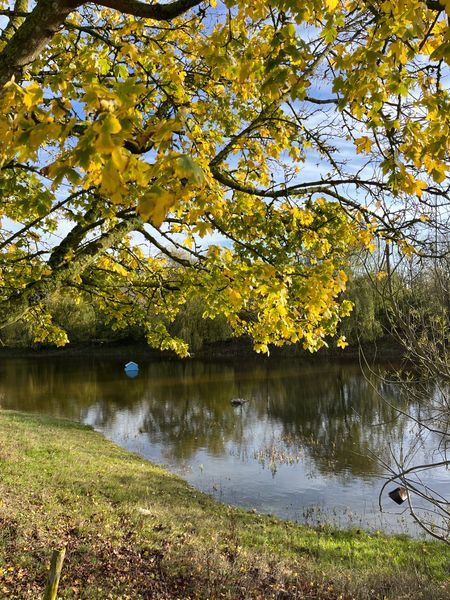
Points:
(398, 495)
(238, 401)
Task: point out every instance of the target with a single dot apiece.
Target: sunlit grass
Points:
(133, 530)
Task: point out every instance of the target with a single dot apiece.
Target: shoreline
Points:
(160, 538)
(234, 349)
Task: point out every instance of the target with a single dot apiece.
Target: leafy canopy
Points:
(234, 151)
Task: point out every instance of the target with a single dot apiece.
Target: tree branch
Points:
(33, 35)
(178, 259)
(435, 5)
(158, 12)
(48, 16)
(265, 114)
(38, 220)
(18, 304)
(16, 18)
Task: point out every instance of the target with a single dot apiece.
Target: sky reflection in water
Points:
(303, 447)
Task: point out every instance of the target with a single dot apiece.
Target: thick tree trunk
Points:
(33, 35)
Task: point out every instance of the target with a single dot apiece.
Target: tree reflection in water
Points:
(328, 411)
(309, 433)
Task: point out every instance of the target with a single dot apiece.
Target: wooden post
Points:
(55, 573)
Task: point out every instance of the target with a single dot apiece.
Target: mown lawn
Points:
(133, 530)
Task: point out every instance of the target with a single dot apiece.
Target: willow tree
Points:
(237, 151)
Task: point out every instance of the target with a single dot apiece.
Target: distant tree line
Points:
(85, 322)
(421, 300)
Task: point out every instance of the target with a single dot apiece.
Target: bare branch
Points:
(158, 12)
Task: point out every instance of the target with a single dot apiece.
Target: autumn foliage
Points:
(236, 151)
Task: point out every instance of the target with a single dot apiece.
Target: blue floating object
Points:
(131, 369)
(132, 366)
(131, 374)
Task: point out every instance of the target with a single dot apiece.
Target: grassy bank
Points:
(132, 530)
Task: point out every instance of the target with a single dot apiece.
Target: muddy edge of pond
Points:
(385, 349)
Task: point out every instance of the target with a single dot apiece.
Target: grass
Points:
(135, 531)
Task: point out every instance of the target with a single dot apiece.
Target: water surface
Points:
(308, 444)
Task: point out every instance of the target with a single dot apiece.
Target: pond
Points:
(306, 445)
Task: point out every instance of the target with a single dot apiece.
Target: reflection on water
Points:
(304, 446)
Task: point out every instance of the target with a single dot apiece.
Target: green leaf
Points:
(155, 204)
(186, 168)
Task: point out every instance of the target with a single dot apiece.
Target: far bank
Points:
(386, 348)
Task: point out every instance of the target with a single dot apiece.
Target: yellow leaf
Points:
(106, 128)
(363, 144)
(419, 186)
(235, 298)
(346, 308)
(155, 204)
(111, 124)
(111, 182)
(342, 342)
(130, 50)
(104, 144)
(119, 158)
(120, 269)
(406, 248)
(32, 95)
(103, 262)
